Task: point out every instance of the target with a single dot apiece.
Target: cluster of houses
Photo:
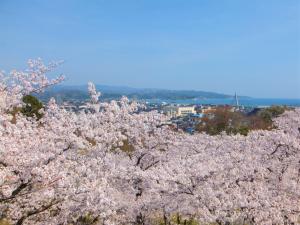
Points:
(175, 111)
(186, 117)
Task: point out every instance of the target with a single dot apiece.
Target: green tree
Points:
(32, 107)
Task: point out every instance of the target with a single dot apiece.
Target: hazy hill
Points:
(112, 92)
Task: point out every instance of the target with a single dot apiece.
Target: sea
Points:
(248, 102)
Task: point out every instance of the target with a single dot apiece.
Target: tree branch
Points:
(37, 211)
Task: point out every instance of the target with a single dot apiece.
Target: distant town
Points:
(182, 116)
(186, 109)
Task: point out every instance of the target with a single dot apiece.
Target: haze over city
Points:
(248, 47)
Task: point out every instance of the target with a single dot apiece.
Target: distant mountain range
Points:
(67, 93)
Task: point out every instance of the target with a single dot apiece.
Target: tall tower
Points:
(236, 100)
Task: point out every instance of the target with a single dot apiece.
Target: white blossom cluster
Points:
(120, 167)
(19, 83)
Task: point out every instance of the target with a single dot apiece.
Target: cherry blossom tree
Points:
(115, 164)
(16, 84)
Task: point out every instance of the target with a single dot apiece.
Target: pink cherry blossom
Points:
(117, 164)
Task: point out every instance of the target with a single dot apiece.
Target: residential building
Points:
(185, 110)
(178, 111)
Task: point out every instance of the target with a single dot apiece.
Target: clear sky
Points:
(248, 46)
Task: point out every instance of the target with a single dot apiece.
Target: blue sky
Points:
(251, 47)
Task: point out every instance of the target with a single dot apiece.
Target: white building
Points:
(176, 111)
